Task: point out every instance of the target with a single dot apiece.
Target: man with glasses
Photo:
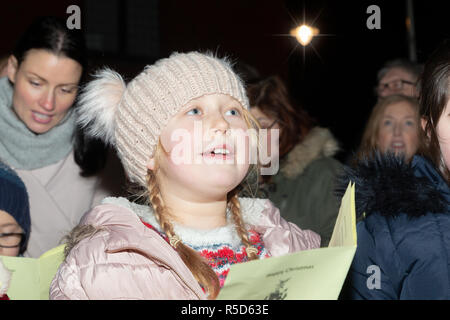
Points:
(398, 77)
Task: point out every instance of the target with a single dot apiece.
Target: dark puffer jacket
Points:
(404, 236)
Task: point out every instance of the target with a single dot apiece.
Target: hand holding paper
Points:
(311, 274)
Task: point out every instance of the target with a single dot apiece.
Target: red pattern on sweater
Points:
(221, 257)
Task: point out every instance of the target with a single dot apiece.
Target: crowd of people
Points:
(151, 186)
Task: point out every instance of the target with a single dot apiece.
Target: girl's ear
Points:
(151, 164)
(12, 68)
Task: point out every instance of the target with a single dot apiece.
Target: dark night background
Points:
(333, 79)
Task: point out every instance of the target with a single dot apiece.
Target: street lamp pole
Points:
(411, 32)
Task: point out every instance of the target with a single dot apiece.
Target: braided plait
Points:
(235, 208)
(202, 272)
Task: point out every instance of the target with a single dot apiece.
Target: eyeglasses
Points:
(12, 239)
(395, 85)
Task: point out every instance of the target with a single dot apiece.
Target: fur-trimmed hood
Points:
(389, 186)
(317, 144)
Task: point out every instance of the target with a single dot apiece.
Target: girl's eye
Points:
(387, 122)
(232, 112)
(194, 112)
(34, 83)
(410, 123)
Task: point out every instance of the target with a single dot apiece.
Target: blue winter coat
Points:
(404, 236)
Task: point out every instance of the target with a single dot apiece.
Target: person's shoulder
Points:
(120, 202)
(109, 205)
(389, 186)
(252, 209)
(260, 212)
(325, 166)
(257, 210)
(319, 177)
(115, 213)
(264, 217)
(111, 219)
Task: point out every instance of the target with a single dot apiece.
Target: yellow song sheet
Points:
(31, 277)
(316, 274)
(311, 274)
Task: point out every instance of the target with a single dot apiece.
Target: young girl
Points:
(180, 245)
(403, 238)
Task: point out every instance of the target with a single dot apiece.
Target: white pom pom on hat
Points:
(136, 114)
(98, 103)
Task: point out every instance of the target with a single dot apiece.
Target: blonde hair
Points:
(199, 267)
(368, 146)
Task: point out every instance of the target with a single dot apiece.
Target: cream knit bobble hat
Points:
(131, 117)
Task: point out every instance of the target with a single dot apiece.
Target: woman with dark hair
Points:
(303, 189)
(39, 138)
(404, 207)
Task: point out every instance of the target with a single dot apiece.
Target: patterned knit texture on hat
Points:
(158, 93)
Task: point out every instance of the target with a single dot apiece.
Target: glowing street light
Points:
(304, 34)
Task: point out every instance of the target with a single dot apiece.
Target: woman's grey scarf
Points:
(22, 149)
